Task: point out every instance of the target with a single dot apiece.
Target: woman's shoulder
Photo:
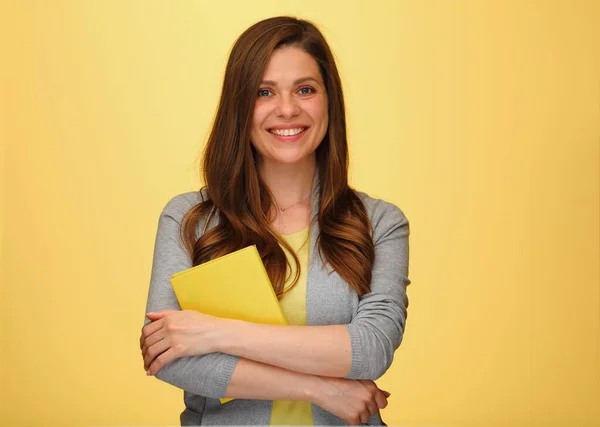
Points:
(383, 214)
(180, 204)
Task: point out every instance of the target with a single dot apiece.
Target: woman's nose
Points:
(287, 107)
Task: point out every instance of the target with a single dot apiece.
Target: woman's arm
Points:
(351, 400)
(316, 350)
(174, 334)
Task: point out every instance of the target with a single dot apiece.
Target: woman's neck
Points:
(289, 184)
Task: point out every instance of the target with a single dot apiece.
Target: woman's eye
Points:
(306, 90)
(264, 92)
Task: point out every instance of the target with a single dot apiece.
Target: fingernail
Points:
(148, 372)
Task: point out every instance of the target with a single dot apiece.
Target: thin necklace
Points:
(290, 206)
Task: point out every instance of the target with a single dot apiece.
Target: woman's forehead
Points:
(291, 65)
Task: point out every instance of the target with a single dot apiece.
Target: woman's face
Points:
(290, 115)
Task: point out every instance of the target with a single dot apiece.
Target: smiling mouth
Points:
(287, 132)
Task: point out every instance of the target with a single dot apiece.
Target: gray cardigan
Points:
(375, 322)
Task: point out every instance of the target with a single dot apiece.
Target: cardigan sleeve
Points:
(206, 375)
(377, 327)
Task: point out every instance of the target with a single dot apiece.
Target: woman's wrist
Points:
(211, 333)
(313, 390)
(229, 336)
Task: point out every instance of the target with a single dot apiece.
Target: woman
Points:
(275, 169)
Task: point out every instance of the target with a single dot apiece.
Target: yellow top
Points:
(287, 412)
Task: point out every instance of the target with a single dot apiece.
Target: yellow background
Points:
(479, 119)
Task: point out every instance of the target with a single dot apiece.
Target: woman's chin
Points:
(290, 160)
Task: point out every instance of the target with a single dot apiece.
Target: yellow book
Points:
(234, 286)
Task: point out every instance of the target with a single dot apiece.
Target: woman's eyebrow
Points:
(296, 82)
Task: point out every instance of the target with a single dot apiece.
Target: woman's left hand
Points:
(173, 334)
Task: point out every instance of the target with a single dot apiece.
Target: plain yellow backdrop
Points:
(481, 120)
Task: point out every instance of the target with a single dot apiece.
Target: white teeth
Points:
(286, 132)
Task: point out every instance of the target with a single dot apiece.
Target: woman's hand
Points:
(173, 334)
(354, 401)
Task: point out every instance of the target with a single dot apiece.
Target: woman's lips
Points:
(288, 138)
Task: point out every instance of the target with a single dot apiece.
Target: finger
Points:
(381, 399)
(161, 361)
(379, 394)
(152, 339)
(373, 407)
(141, 340)
(364, 417)
(159, 314)
(155, 351)
(354, 421)
(152, 327)
(372, 391)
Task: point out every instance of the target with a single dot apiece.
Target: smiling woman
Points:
(275, 168)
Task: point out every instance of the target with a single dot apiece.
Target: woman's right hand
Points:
(354, 401)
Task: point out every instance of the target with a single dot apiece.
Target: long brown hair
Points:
(238, 195)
